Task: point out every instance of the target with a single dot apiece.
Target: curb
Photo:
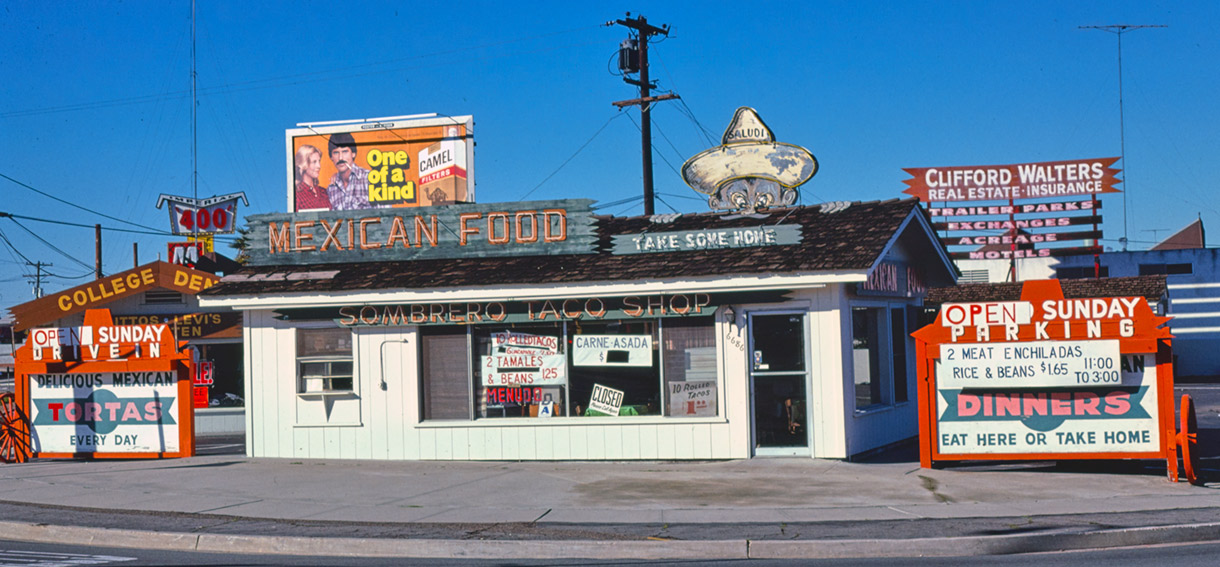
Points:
(612, 549)
(983, 545)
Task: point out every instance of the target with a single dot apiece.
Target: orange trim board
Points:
(99, 292)
(106, 391)
(1046, 378)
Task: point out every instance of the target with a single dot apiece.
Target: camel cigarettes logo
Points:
(1044, 411)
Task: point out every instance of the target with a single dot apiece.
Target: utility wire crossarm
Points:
(639, 101)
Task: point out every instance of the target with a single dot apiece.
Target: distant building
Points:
(1193, 276)
(1191, 270)
(9, 341)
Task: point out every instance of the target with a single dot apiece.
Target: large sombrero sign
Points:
(749, 170)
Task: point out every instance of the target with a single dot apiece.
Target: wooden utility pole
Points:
(38, 277)
(644, 30)
(97, 250)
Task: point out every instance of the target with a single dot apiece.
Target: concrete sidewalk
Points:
(759, 507)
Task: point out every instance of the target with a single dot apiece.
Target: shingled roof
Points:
(1152, 288)
(833, 238)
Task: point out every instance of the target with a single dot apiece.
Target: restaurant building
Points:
(540, 331)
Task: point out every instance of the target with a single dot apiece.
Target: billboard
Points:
(1065, 221)
(381, 163)
(1050, 179)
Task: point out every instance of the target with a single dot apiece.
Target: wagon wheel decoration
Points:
(14, 431)
(1188, 438)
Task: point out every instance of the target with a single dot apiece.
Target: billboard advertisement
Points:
(1050, 179)
(381, 163)
(980, 216)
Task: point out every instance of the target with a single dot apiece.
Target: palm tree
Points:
(242, 244)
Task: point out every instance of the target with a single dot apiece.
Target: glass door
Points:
(778, 374)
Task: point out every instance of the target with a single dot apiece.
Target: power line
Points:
(662, 155)
(664, 202)
(671, 144)
(681, 196)
(12, 247)
(617, 203)
(73, 205)
(707, 134)
(153, 232)
(632, 201)
(682, 106)
(49, 245)
(570, 158)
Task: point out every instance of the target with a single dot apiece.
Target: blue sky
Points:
(95, 105)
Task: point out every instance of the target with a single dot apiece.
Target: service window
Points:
(324, 361)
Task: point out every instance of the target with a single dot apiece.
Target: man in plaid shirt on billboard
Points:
(349, 187)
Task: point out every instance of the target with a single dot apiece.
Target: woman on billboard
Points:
(309, 196)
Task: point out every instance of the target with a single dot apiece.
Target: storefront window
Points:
(445, 373)
(689, 355)
(615, 365)
(866, 355)
(880, 354)
(570, 369)
(324, 361)
(520, 371)
(228, 387)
